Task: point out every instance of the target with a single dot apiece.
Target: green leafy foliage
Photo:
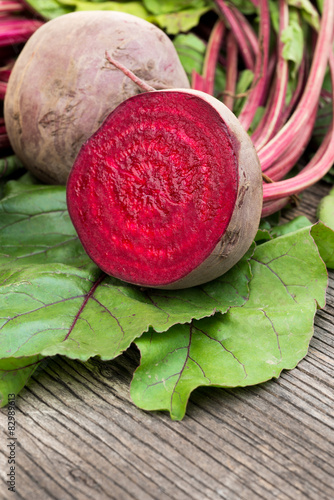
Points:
(326, 209)
(8, 166)
(320, 4)
(49, 9)
(243, 328)
(329, 177)
(289, 227)
(293, 39)
(247, 345)
(50, 308)
(177, 16)
(274, 14)
(35, 227)
(324, 232)
(168, 6)
(309, 12)
(53, 300)
(58, 309)
(14, 374)
(245, 6)
(80, 313)
(179, 22)
(324, 238)
(173, 16)
(267, 231)
(191, 51)
(132, 7)
(257, 118)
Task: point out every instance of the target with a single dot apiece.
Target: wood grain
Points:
(80, 436)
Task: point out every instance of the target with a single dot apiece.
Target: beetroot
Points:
(62, 88)
(168, 192)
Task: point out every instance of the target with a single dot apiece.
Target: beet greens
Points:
(228, 332)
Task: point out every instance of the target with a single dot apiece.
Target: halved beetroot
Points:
(168, 192)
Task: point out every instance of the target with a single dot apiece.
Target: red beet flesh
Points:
(153, 190)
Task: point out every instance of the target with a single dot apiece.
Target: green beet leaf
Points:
(168, 6)
(134, 8)
(35, 227)
(245, 6)
(309, 12)
(173, 16)
(8, 166)
(191, 51)
(58, 309)
(179, 22)
(293, 40)
(324, 238)
(249, 344)
(14, 374)
(322, 234)
(48, 8)
(326, 210)
(295, 224)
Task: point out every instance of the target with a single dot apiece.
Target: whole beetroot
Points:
(62, 88)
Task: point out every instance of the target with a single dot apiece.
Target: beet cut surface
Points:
(153, 190)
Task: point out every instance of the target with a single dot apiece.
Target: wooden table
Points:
(80, 437)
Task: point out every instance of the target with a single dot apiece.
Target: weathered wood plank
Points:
(80, 436)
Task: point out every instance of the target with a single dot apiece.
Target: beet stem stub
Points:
(138, 81)
(152, 192)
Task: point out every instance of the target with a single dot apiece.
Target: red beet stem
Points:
(280, 168)
(270, 207)
(143, 85)
(231, 71)
(305, 109)
(211, 56)
(16, 30)
(197, 81)
(3, 88)
(248, 30)
(315, 170)
(276, 105)
(243, 42)
(295, 97)
(261, 69)
(9, 6)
